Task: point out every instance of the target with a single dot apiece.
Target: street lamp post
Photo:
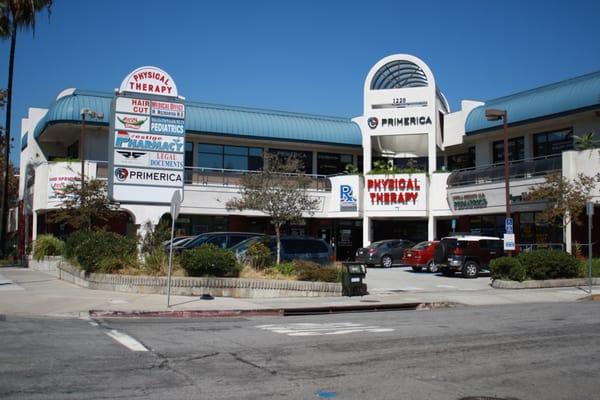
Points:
(493, 114)
(92, 114)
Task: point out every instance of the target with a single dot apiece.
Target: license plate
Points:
(354, 279)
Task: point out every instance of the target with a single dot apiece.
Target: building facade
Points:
(425, 171)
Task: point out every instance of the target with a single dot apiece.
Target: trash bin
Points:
(353, 274)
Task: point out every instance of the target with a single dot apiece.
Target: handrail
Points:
(518, 169)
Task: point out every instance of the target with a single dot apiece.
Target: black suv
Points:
(468, 254)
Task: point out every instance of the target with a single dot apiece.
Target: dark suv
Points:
(223, 240)
(292, 248)
(468, 254)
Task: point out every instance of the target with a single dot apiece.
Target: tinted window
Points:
(422, 246)
(235, 239)
(298, 246)
(219, 241)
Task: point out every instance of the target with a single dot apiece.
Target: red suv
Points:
(468, 254)
(420, 256)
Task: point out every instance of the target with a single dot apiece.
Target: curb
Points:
(550, 283)
(282, 312)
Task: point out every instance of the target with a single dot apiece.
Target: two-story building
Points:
(425, 171)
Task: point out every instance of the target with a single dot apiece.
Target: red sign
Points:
(149, 80)
(393, 191)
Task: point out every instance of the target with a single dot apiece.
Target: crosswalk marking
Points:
(126, 340)
(313, 329)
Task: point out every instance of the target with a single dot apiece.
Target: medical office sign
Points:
(147, 138)
(395, 192)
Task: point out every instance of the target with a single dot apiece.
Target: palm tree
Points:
(14, 15)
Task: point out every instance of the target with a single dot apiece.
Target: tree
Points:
(14, 15)
(279, 190)
(84, 207)
(566, 198)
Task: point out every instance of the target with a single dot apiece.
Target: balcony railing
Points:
(520, 169)
(232, 177)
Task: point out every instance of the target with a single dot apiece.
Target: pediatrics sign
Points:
(147, 139)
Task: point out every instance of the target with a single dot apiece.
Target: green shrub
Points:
(156, 261)
(549, 264)
(94, 249)
(584, 268)
(310, 271)
(209, 260)
(508, 268)
(259, 256)
(47, 245)
(285, 268)
(109, 265)
(73, 242)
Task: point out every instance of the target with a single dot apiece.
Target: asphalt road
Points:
(548, 351)
(404, 279)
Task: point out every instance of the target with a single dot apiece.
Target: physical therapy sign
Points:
(147, 139)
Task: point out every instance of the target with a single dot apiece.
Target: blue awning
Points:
(572, 95)
(221, 120)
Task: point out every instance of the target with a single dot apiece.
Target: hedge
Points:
(209, 260)
(47, 245)
(99, 251)
(549, 264)
(508, 268)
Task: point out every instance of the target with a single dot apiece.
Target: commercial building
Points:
(426, 170)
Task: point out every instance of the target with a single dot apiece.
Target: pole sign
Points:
(508, 225)
(509, 242)
(147, 139)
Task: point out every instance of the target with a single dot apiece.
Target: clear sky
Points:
(303, 56)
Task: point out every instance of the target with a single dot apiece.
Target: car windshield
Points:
(422, 245)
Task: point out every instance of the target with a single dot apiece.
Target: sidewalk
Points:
(27, 292)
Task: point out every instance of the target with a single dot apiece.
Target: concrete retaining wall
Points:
(549, 283)
(221, 287)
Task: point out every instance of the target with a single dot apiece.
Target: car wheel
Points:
(431, 267)
(386, 261)
(470, 270)
(447, 271)
(416, 269)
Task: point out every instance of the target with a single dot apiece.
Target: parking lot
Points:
(404, 279)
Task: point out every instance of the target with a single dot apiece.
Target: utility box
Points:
(353, 274)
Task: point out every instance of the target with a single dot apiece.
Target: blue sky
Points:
(303, 56)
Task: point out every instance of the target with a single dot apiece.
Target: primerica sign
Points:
(147, 139)
(374, 122)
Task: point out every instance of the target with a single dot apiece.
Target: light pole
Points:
(493, 114)
(92, 114)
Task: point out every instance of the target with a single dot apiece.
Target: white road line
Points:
(446, 286)
(313, 329)
(126, 341)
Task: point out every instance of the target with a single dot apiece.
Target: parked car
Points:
(468, 254)
(420, 256)
(177, 241)
(223, 240)
(385, 253)
(292, 248)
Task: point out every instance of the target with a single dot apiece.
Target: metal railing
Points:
(233, 177)
(519, 169)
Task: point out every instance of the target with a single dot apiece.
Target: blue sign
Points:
(453, 224)
(347, 200)
(508, 225)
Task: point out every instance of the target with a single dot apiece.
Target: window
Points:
(464, 160)
(548, 143)
(331, 163)
(189, 154)
(229, 157)
(516, 150)
(306, 157)
(219, 241)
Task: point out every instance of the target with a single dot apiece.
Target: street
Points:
(526, 351)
